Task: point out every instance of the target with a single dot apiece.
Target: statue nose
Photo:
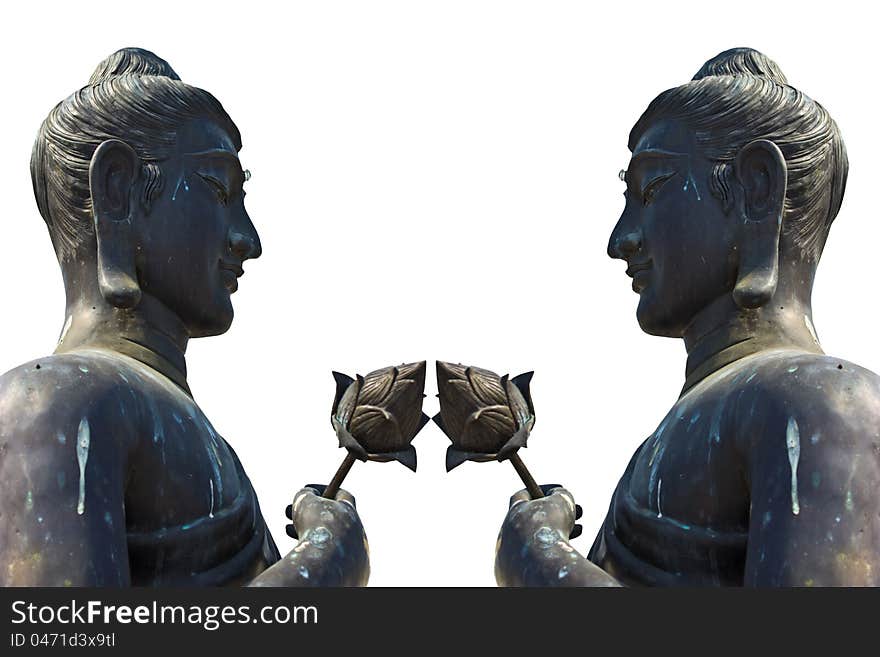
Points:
(626, 245)
(244, 245)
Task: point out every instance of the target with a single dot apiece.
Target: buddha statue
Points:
(110, 474)
(766, 469)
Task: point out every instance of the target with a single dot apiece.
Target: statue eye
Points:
(218, 187)
(653, 187)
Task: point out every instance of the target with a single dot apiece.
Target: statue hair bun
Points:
(742, 61)
(132, 61)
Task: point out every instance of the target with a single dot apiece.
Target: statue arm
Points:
(815, 512)
(332, 548)
(61, 491)
(533, 547)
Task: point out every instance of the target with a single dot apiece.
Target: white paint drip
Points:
(82, 456)
(811, 328)
(715, 427)
(211, 511)
(654, 464)
(657, 455)
(216, 463)
(714, 431)
(158, 429)
(689, 181)
(65, 329)
(793, 443)
(659, 509)
(181, 181)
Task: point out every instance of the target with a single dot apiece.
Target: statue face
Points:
(677, 240)
(197, 234)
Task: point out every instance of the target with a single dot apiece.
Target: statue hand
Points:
(310, 510)
(557, 510)
(307, 513)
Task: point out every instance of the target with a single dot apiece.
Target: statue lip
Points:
(235, 269)
(636, 267)
(638, 271)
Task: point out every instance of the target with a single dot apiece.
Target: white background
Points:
(436, 180)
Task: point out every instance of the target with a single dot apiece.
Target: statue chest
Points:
(679, 516)
(183, 471)
(690, 468)
(192, 516)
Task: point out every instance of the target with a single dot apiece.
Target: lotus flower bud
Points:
(377, 416)
(486, 417)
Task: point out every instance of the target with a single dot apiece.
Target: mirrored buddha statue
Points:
(766, 470)
(110, 474)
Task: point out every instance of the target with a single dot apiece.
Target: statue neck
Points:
(723, 333)
(149, 333)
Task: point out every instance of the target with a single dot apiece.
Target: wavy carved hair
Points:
(133, 96)
(741, 95)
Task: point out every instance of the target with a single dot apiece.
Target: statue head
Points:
(138, 179)
(734, 181)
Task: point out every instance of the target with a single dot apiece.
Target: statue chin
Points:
(658, 319)
(208, 315)
(214, 325)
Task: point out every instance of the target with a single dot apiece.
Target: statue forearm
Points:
(542, 557)
(321, 559)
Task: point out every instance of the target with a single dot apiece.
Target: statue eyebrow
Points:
(654, 154)
(640, 158)
(218, 154)
(227, 158)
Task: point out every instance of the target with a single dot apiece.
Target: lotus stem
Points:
(336, 482)
(531, 485)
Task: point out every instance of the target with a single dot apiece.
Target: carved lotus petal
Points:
(378, 415)
(482, 413)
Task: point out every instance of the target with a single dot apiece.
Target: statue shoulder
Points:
(65, 448)
(846, 378)
(812, 397)
(51, 393)
(796, 378)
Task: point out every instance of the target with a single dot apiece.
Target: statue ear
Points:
(763, 177)
(113, 174)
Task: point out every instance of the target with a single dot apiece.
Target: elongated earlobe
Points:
(113, 174)
(762, 175)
